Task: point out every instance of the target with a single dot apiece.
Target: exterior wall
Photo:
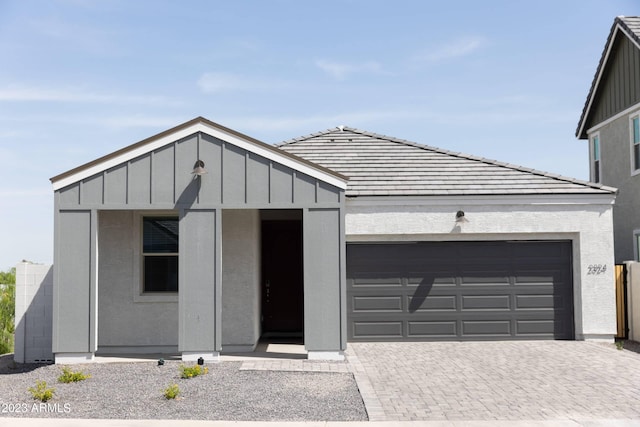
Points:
(615, 143)
(587, 225)
(325, 327)
(34, 304)
(619, 87)
(125, 323)
(161, 180)
(241, 297)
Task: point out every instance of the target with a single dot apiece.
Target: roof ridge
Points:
(462, 156)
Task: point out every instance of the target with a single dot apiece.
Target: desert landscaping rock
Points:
(135, 391)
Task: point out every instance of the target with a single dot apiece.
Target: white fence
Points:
(34, 305)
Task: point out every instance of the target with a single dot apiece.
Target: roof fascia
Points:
(592, 94)
(189, 128)
(532, 200)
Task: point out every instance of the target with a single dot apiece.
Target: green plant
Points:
(192, 371)
(172, 391)
(41, 392)
(620, 345)
(7, 310)
(68, 376)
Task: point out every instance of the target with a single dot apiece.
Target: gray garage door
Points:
(432, 291)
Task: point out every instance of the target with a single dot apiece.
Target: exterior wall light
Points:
(460, 218)
(198, 168)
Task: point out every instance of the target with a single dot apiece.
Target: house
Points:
(610, 121)
(201, 239)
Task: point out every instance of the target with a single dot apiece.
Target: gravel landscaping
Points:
(135, 391)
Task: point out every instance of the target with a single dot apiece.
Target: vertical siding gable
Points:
(115, 185)
(92, 190)
(281, 190)
(619, 87)
(70, 196)
(210, 151)
(233, 174)
(163, 175)
(139, 182)
(257, 179)
(162, 179)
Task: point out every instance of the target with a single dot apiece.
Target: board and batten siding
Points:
(162, 179)
(620, 87)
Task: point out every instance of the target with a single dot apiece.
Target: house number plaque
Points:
(596, 269)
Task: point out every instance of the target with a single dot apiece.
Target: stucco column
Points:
(200, 279)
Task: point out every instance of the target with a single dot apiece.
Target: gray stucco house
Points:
(610, 121)
(342, 235)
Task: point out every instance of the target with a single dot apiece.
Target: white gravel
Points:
(135, 391)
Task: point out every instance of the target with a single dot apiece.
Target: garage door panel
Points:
(496, 328)
(539, 302)
(382, 303)
(433, 329)
(433, 303)
(480, 291)
(486, 302)
(390, 329)
(433, 279)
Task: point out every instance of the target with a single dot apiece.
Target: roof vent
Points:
(341, 127)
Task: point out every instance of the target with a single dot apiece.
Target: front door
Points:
(282, 278)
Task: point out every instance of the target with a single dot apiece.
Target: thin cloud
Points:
(342, 70)
(36, 94)
(451, 50)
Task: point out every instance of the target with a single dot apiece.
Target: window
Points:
(636, 244)
(635, 142)
(160, 254)
(595, 157)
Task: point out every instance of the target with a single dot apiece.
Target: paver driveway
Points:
(533, 380)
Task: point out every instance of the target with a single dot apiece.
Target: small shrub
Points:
(620, 345)
(41, 392)
(172, 391)
(192, 371)
(68, 376)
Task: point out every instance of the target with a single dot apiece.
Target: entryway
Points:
(282, 276)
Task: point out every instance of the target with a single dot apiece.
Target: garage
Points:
(436, 291)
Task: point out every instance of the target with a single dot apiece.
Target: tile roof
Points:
(379, 165)
(629, 25)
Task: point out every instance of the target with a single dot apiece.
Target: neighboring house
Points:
(610, 121)
(341, 235)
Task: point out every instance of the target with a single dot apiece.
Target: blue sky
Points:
(506, 80)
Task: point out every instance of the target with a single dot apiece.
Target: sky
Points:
(506, 80)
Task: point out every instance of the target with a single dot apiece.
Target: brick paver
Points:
(533, 380)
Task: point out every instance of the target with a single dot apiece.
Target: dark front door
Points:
(282, 280)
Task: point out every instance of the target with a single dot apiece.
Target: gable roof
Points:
(199, 124)
(379, 165)
(628, 26)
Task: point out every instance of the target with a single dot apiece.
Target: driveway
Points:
(532, 380)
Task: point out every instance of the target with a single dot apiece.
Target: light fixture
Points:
(460, 217)
(200, 361)
(198, 168)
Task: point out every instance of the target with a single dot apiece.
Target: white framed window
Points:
(634, 132)
(156, 257)
(594, 149)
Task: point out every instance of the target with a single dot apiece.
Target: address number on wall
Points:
(596, 269)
